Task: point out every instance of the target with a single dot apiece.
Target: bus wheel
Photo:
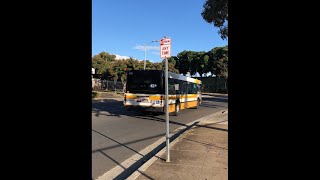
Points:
(177, 109)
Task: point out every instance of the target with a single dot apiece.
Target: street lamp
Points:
(145, 53)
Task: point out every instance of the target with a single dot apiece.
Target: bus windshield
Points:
(145, 82)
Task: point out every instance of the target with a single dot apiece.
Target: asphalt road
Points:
(118, 134)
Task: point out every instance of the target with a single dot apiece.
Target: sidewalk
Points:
(199, 153)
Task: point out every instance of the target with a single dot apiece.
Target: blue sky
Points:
(122, 27)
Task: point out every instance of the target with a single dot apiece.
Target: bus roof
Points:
(183, 78)
(176, 76)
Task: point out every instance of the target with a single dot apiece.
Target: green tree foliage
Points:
(214, 61)
(173, 60)
(171, 66)
(218, 61)
(184, 61)
(216, 12)
(198, 63)
(158, 66)
(118, 68)
(100, 65)
(131, 65)
(106, 56)
(111, 69)
(204, 66)
(149, 65)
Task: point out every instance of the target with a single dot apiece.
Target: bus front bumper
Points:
(143, 108)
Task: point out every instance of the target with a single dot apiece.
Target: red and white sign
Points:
(165, 48)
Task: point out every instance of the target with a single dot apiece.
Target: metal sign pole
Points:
(165, 49)
(167, 111)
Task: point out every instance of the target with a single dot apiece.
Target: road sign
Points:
(165, 48)
(165, 52)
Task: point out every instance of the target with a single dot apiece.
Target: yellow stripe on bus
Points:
(164, 97)
(129, 96)
(172, 107)
(197, 81)
(184, 105)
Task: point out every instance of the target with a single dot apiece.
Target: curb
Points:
(215, 94)
(110, 97)
(203, 120)
(97, 99)
(217, 118)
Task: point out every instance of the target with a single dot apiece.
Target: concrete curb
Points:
(217, 118)
(215, 94)
(99, 99)
(110, 97)
(213, 118)
(108, 94)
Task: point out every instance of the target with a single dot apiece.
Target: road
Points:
(118, 134)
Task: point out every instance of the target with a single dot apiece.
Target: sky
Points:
(123, 27)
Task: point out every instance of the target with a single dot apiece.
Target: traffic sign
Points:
(165, 48)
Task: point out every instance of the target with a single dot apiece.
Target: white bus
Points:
(145, 91)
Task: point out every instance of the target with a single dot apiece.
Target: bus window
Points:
(148, 82)
(195, 88)
(171, 87)
(183, 87)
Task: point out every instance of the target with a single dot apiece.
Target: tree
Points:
(184, 61)
(118, 68)
(149, 65)
(130, 64)
(100, 65)
(124, 80)
(173, 60)
(106, 56)
(102, 62)
(199, 61)
(158, 66)
(216, 12)
(205, 69)
(171, 67)
(218, 61)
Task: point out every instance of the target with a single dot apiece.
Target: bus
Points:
(145, 91)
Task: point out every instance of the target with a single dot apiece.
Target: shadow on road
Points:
(123, 144)
(210, 127)
(134, 167)
(114, 107)
(215, 99)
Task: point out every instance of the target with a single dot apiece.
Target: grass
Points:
(99, 94)
(95, 94)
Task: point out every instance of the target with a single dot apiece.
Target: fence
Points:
(214, 84)
(104, 85)
(209, 84)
